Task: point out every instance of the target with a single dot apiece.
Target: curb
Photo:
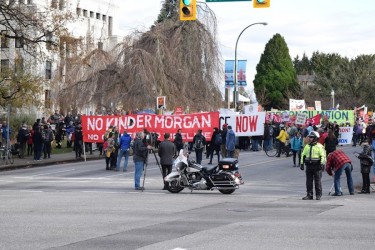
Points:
(43, 164)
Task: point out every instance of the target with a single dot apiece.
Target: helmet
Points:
(314, 134)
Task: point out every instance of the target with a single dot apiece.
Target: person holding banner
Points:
(140, 154)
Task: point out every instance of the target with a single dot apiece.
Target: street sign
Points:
(213, 1)
(160, 101)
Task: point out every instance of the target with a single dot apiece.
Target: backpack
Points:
(199, 142)
(218, 139)
(270, 131)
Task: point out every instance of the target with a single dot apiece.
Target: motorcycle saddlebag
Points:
(228, 164)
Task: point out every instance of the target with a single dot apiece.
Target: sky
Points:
(345, 27)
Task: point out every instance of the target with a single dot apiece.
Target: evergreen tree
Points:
(276, 80)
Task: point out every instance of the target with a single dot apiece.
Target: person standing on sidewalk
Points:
(166, 152)
(314, 157)
(47, 139)
(22, 137)
(124, 144)
(38, 143)
(338, 162)
(140, 154)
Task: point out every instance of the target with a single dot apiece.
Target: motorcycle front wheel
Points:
(227, 191)
(174, 186)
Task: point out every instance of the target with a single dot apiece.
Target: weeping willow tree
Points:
(179, 60)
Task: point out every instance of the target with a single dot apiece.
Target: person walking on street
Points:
(314, 157)
(224, 140)
(215, 145)
(282, 137)
(178, 141)
(296, 146)
(140, 154)
(124, 144)
(199, 141)
(166, 152)
(230, 144)
(338, 161)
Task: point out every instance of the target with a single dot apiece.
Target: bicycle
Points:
(272, 150)
(6, 155)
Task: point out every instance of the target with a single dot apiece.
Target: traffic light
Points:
(261, 3)
(188, 10)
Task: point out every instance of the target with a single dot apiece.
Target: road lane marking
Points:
(57, 172)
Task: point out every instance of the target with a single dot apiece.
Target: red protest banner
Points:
(94, 127)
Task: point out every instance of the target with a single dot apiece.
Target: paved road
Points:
(80, 205)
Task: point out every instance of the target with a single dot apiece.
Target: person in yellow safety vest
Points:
(314, 157)
(282, 137)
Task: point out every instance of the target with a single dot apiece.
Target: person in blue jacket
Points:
(296, 146)
(125, 142)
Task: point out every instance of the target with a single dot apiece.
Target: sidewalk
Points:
(28, 161)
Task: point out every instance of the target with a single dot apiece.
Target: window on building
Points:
(18, 66)
(5, 68)
(78, 11)
(49, 39)
(104, 18)
(61, 4)
(48, 69)
(54, 4)
(47, 98)
(85, 13)
(98, 16)
(4, 39)
(18, 41)
(21, 1)
(29, 1)
(110, 25)
(92, 14)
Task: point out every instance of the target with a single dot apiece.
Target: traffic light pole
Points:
(235, 93)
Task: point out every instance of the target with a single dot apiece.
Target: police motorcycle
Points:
(224, 177)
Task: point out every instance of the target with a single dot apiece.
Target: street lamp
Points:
(235, 66)
(333, 98)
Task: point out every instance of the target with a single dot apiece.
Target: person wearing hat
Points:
(314, 157)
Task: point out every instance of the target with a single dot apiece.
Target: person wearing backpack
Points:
(215, 144)
(198, 143)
